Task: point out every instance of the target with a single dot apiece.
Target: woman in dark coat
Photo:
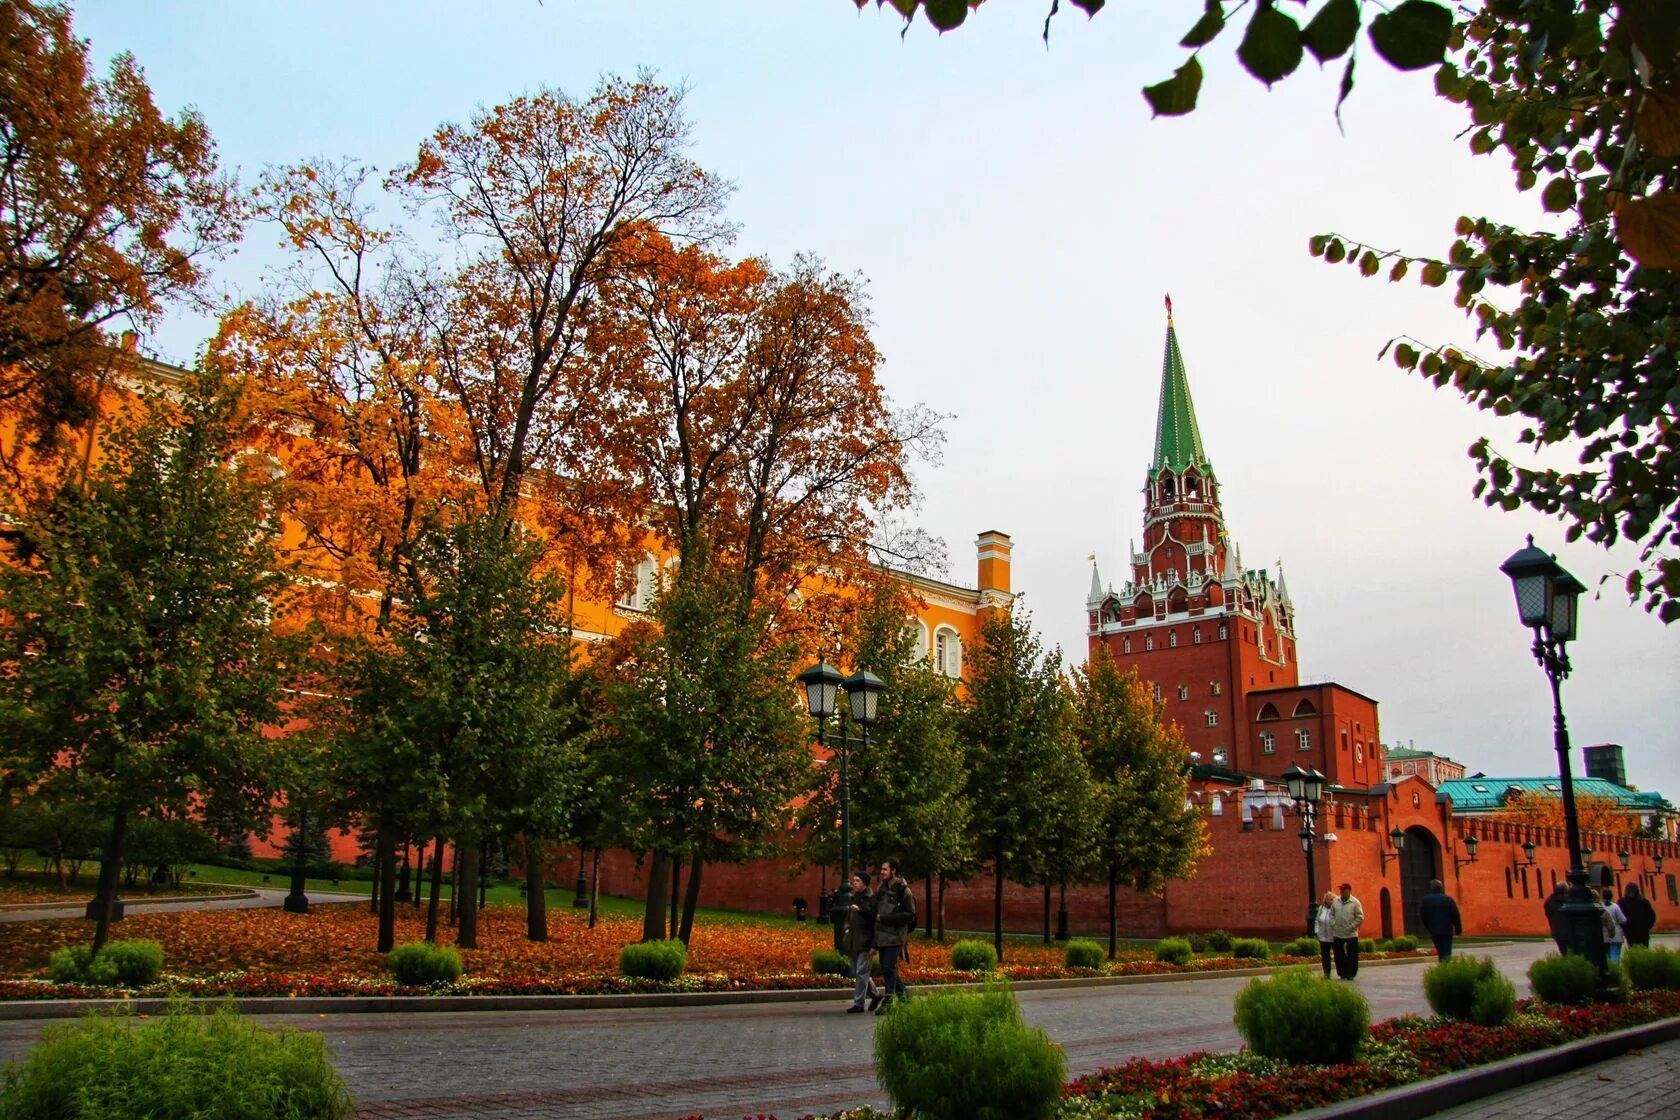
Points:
(1640, 915)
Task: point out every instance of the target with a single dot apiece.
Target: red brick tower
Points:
(1190, 618)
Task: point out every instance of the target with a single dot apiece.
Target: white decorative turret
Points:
(1283, 588)
(1095, 598)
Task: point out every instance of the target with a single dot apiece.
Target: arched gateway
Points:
(1420, 861)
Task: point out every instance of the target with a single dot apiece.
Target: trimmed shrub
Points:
(967, 1056)
(129, 964)
(1405, 943)
(1367, 945)
(1218, 941)
(1650, 969)
(1251, 948)
(1198, 942)
(1565, 979)
(183, 1064)
(1301, 947)
(1173, 950)
(1085, 954)
(1298, 1017)
(419, 964)
(1385, 946)
(1470, 988)
(827, 962)
(973, 956)
(653, 960)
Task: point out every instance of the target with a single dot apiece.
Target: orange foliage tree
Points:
(1594, 814)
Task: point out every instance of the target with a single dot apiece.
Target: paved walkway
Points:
(1638, 1085)
(261, 897)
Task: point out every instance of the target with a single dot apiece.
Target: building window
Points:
(1156, 685)
(643, 583)
(1128, 646)
(1223, 632)
(1212, 718)
(1214, 687)
(1184, 692)
(1148, 642)
(1303, 739)
(1196, 635)
(1344, 741)
(1268, 743)
(947, 653)
(1172, 638)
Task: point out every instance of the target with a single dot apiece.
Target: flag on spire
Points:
(1169, 307)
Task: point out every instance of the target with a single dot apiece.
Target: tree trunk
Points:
(454, 882)
(691, 897)
(676, 899)
(437, 891)
(106, 891)
(386, 885)
(927, 907)
(1113, 913)
(1047, 912)
(997, 908)
(466, 893)
(942, 907)
(658, 887)
(419, 873)
(536, 894)
(594, 884)
(378, 875)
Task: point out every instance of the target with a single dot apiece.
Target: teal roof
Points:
(1178, 441)
(1473, 795)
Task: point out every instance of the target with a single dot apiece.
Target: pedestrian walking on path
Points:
(1346, 916)
(1640, 914)
(857, 940)
(1615, 926)
(1324, 925)
(1554, 915)
(1439, 914)
(895, 917)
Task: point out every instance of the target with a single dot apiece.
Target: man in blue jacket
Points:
(1439, 914)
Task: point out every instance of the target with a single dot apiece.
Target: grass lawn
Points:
(42, 886)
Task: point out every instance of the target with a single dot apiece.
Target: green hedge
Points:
(128, 964)
(1566, 979)
(973, 956)
(828, 962)
(1251, 948)
(1367, 945)
(1649, 969)
(418, 964)
(1218, 941)
(1173, 950)
(967, 1056)
(1085, 954)
(1470, 988)
(1299, 1017)
(1301, 947)
(1405, 943)
(654, 960)
(182, 1065)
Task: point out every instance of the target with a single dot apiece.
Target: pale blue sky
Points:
(1018, 216)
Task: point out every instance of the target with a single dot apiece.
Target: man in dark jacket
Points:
(857, 942)
(1554, 915)
(1439, 914)
(895, 917)
(1640, 914)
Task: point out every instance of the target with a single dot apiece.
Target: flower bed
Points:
(330, 951)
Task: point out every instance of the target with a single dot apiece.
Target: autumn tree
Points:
(1593, 813)
(109, 209)
(1584, 99)
(136, 645)
(1146, 833)
(1016, 728)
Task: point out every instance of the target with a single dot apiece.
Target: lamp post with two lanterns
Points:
(1546, 603)
(822, 683)
(1306, 789)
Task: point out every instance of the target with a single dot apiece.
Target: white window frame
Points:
(947, 652)
(1268, 743)
(1303, 739)
(1184, 692)
(1212, 718)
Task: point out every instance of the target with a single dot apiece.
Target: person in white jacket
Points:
(1615, 927)
(1346, 916)
(1322, 924)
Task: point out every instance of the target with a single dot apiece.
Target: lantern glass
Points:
(1586, 856)
(1624, 857)
(822, 689)
(863, 690)
(1306, 840)
(1398, 839)
(1528, 851)
(1315, 783)
(1657, 862)
(1532, 574)
(1471, 844)
(1295, 780)
(1566, 593)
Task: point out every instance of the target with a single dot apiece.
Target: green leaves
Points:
(1271, 47)
(1177, 95)
(946, 14)
(1414, 35)
(1559, 195)
(1206, 28)
(1331, 32)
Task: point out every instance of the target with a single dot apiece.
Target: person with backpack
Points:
(1640, 914)
(858, 941)
(895, 917)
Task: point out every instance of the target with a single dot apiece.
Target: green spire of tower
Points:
(1178, 442)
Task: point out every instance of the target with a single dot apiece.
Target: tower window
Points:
(1196, 635)
(1148, 642)
(1303, 739)
(1128, 646)
(1172, 638)
(1223, 632)
(1184, 692)
(1212, 718)
(1156, 685)
(1268, 743)
(1214, 687)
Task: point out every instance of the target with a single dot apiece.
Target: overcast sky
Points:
(1018, 217)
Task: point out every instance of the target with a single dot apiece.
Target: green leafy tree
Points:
(703, 726)
(458, 701)
(136, 646)
(908, 782)
(1063, 850)
(1014, 725)
(1145, 833)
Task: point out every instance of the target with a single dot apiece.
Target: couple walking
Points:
(879, 921)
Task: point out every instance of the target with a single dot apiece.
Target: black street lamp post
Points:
(1546, 603)
(863, 689)
(1306, 789)
(297, 902)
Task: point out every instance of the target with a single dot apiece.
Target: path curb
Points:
(1410, 1102)
(12, 1010)
(165, 900)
